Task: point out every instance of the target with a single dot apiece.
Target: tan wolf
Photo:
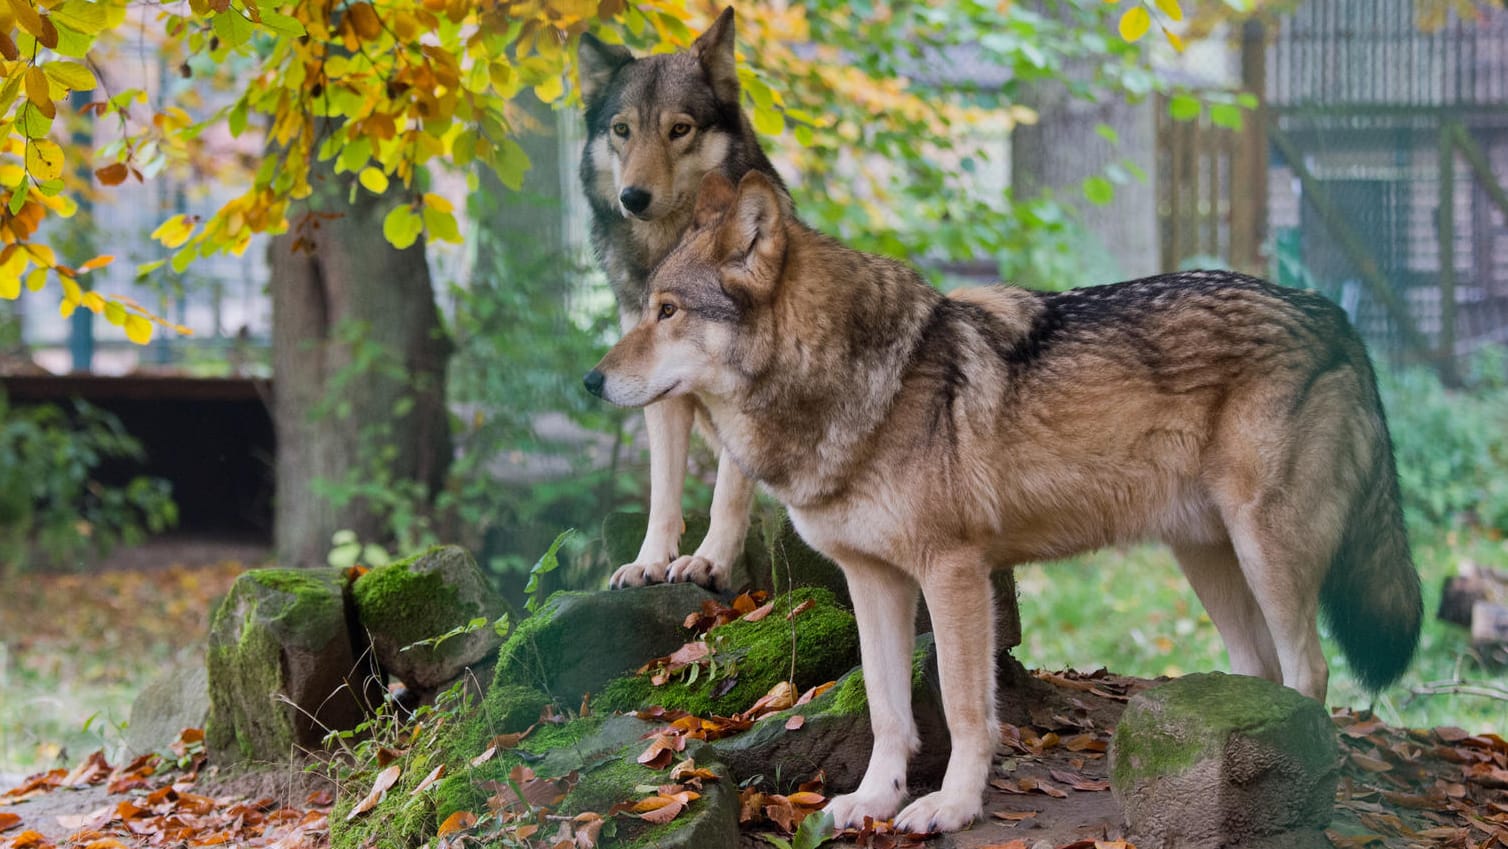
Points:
(655, 126)
(921, 440)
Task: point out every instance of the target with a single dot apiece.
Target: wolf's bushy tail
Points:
(1371, 595)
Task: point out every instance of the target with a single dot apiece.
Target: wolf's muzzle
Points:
(593, 382)
(635, 199)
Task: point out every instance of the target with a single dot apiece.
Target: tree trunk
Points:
(342, 294)
(1063, 148)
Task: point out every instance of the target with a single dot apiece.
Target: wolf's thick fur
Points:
(921, 440)
(655, 126)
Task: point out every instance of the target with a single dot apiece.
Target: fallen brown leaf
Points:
(458, 821)
(385, 780)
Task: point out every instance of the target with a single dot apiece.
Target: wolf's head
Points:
(657, 124)
(702, 331)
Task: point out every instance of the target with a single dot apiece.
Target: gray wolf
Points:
(921, 440)
(655, 126)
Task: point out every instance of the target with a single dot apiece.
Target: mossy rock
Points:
(1211, 760)
(578, 641)
(836, 737)
(421, 597)
(602, 751)
(774, 558)
(282, 669)
(823, 642)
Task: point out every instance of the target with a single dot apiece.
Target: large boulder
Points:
(578, 641)
(1211, 761)
(281, 668)
(178, 698)
(420, 597)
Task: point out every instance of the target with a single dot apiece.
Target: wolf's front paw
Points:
(850, 809)
(639, 574)
(699, 570)
(940, 811)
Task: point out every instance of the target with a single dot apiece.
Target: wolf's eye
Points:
(621, 130)
(667, 310)
(679, 130)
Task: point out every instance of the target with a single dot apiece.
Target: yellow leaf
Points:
(1135, 23)
(27, 17)
(66, 308)
(1174, 39)
(94, 302)
(1171, 9)
(39, 91)
(70, 75)
(10, 287)
(373, 180)
(71, 291)
(551, 89)
(44, 160)
(138, 329)
(438, 203)
(36, 280)
(173, 232)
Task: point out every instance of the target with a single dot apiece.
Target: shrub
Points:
(51, 502)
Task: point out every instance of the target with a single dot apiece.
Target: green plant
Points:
(1451, 447)
(52, 501)
(814, 831)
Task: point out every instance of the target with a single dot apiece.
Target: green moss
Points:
(1180, 722)
(519, 659)
(458, 793)
(401, 820)
(823, 642)
(849, 697)
(410, 606)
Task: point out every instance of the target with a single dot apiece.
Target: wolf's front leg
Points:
(668, 423)
(884, 602)
(713, 560)
(958, 592)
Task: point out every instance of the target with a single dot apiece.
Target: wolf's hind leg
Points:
(1215, 574)
(668, 424)
(1284, 573)
(958, 591)
(713, 560)
(884, 602)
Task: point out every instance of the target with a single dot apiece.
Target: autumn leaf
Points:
(9, 820)
(1134, 23)
(458, 821)
(434, 775)
(384, 781)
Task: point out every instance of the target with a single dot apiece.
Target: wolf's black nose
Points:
(635, 199)
(593, 381)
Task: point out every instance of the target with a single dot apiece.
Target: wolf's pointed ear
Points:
(596, 62)
(713, 198)
(752, 240)
(714, 50)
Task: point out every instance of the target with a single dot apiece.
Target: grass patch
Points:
(75, 649)
(1131, 611)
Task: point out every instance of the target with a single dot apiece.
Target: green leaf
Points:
(115, 313)
(1184, 107)
(1099, 190)
(1225, 115)
(511, 163)
(1108, 133)
(18, 197)
(441, 225)
(401, 226)
(548, 562)
(283, 24)
(34, 123)
(236, 120)
(233, 29)
(768, 121)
